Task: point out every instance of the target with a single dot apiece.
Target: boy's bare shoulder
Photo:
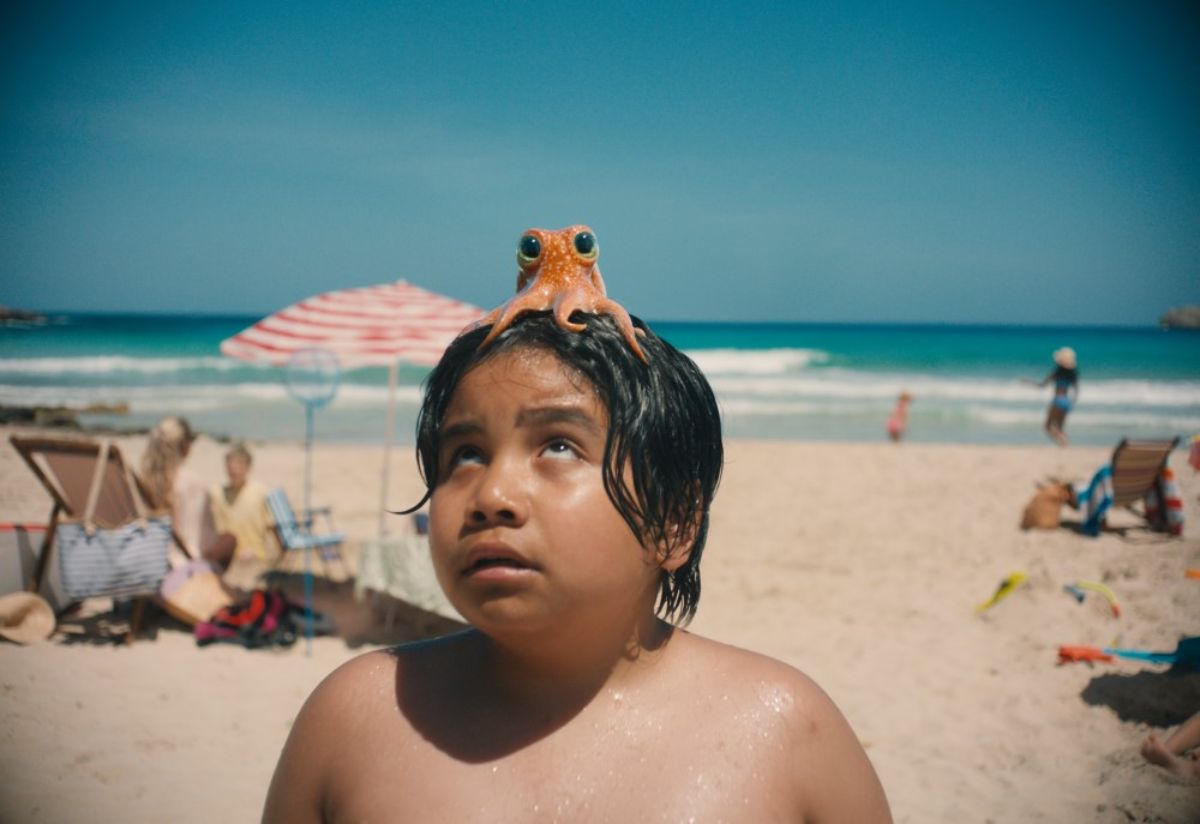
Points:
(350, 721)
(362, 699)
(825, 769)
(371, 682)
(787, 691)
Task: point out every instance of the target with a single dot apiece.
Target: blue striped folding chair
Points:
(297, 534)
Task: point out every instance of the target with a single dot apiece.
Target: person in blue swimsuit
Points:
(1065, 378)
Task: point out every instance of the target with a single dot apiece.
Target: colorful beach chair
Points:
(1138, 471)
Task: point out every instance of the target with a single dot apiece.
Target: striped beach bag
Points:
(122, 561)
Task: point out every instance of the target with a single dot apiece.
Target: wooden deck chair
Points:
(297, 534)
(66, 469)
(1136, 466)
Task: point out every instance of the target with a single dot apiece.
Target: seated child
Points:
(239, 507)
(1180, 753)
(569, 485)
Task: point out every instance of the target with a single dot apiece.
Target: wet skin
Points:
(524, 536)
(570, 701)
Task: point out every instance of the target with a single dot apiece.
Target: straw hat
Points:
(1065, 357)
(25, 618)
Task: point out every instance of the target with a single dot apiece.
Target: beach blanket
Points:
(267, 619)
(1163, 504)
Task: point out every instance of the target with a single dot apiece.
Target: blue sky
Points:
(917, 162)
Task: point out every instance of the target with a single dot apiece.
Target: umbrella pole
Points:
(307, 517)
(393, 379)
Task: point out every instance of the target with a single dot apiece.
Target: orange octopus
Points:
(558, 272)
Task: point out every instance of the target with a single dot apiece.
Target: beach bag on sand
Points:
(1044, 509)
(121, 561)
(193, 593)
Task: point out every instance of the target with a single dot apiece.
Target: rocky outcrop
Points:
(19, 316)
(1181, 317)
(57, 417)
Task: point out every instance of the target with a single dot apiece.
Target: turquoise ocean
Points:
(773, 381)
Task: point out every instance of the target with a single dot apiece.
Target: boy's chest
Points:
(612, 769)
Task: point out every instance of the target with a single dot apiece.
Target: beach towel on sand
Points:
(1163, 504)
(1094, 500)
(267, 619)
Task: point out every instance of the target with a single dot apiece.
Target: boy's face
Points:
(523, 535)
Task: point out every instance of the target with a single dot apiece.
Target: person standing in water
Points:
(1065, 378)
(898, 422)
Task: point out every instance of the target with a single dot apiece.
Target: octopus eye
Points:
(529, 249)
(585, 245)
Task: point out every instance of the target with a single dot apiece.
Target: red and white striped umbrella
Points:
(368, 326)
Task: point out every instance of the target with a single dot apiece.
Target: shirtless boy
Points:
(570, 485)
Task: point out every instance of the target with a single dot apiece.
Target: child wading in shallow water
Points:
(898, 422)
(569, 487)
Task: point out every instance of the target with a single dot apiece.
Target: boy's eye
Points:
(560, 449)
(464, 455)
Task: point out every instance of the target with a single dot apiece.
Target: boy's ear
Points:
(669, 561)
(675, 550)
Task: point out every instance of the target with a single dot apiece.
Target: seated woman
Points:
(240, 508)
(175, 488)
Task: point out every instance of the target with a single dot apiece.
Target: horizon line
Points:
(50, 315)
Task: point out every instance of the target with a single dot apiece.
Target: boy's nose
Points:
(498, 498)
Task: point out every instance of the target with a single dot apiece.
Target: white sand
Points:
(861, 564)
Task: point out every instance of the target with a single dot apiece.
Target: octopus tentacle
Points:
(564, 306)
(609, 306)
(508, 313)
(598, 280)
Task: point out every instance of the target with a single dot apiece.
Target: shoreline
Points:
(64, 421)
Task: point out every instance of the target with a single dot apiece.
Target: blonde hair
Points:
(165, 451)
(240, 450)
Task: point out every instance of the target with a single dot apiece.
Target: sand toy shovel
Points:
(1186, 653)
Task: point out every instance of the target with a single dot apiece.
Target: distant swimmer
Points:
(898, 422)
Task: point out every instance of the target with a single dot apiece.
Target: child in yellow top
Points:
(240, 507)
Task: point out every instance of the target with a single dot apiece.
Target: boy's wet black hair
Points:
(663, 424)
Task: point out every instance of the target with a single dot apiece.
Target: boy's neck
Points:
(564, 671)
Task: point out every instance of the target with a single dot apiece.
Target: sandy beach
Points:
(860, 564)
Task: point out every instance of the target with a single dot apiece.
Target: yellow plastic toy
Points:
(1006, 586)
(1108, 594)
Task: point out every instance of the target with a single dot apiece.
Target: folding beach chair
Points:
(297, 534)
(1136, 466)
(1134, 474)
(67, 470)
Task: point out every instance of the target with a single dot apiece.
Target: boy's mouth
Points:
(494, 556)
(485, 563)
